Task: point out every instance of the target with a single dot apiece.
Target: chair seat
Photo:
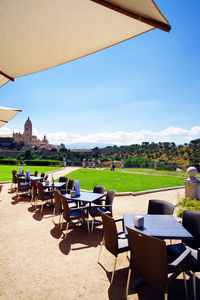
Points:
(123, 245)
(24, 187)
(96, 211)
(77, 213)
(48, 195)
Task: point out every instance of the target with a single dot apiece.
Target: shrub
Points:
(41, 162)
(138, 162)
(187, 204)
(8, 161)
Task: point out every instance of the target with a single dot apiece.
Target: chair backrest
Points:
(109, 199)
(66, 210)
(42, 175)
(110, 234)
(18, 182)
(62, 179)
(14, 180)
(36, 173)
(160, 207)
(46, 177)
(99, 189)
(40, 190)
(191, 222)
(149, 259)
(70, 184)
(58, 201)
(34, 187)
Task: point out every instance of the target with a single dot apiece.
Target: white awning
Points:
(36, 35)
(6, 114)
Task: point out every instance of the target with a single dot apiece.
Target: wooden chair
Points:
(22, 187)
(57, 205)
(14, 179)
(105, 208)
(114, 242)
(33, 191)
(191, 222)
(42, 195)
(72, 214)
(149, 261)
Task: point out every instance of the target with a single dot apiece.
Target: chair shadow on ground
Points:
(38, 215)
(76, 236)
(117, 289)
(21, 199)
(11, 191)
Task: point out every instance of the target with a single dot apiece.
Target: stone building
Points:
(28, 139)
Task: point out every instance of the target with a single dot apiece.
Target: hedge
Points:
(8, 161)
(42, 162)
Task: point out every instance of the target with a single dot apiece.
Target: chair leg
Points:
(115, 261)
(88, 226)
(42, 206)
(185, 284)
(59, 219)
(166, 296)
(100, 251)
(194, 286)
(66, 230)
(128, 282)
(61, 223)
(92, 226)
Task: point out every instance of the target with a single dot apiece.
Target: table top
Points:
(85, 197)
(56, 184)
(37, 178)
(160, 226)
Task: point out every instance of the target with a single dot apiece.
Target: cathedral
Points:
(28, 139)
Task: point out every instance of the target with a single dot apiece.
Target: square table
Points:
(159, 226)
(85, 197)
(56, 185)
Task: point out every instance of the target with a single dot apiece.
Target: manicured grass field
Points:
(123, 182)
(6, 175)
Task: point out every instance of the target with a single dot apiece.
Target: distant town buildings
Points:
(28, 139)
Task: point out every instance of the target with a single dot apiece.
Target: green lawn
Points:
(123, 182)
(6, 175)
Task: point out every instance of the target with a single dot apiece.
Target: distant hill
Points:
(86, 145)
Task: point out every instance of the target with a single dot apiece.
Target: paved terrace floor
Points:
(36, 263)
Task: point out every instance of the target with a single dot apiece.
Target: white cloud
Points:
(170, 134)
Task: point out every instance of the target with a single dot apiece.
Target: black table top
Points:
(37, 178)
(56, 184)
(160, 226)
(85, 197)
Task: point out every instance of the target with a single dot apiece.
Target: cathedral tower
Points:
(27, 132)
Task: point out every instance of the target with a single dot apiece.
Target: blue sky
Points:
(144, 89)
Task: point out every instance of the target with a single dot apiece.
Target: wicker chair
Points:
(149, 261)
(114, 242)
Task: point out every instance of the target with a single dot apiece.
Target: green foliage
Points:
(42, 162)
(138, 162)
(8, 161)
(187, 204)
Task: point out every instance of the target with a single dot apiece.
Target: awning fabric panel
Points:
(36, 35)
(6, 114)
